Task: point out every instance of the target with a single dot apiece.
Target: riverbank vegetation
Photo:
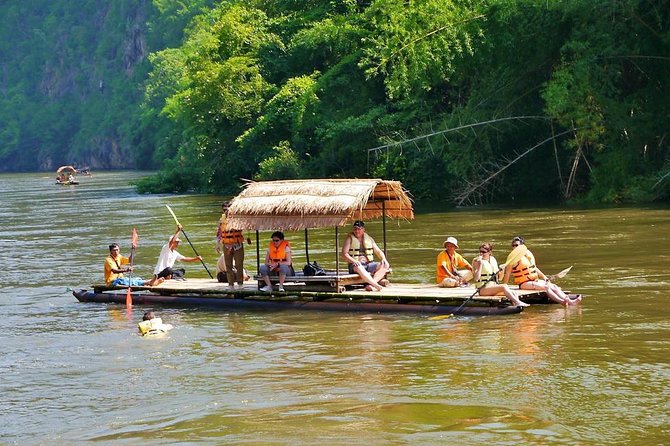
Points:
(463, 101)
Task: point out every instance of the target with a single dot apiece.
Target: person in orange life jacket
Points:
(277, 262)
(168, 256)
(231, 242)
(486, 269)
(529, 277)
(116, 265)
(448, 261)
(359, 250)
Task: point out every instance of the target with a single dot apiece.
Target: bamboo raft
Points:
(416, 298)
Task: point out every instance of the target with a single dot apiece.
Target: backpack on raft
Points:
(313, 269)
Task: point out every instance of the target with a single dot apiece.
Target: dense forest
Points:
(464, 101)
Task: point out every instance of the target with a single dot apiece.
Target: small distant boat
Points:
(65, 176)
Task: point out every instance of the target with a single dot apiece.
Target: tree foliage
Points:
(562, 100)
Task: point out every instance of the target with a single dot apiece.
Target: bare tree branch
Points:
(475, 187)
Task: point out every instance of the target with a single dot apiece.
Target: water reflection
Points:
(591, 374)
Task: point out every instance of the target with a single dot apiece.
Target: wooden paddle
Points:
(560, 274)
(133, 246)
(512, 259)
(189, 241)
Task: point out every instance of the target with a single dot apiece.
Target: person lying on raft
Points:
(152, 325)
(359, 250)
(452, 269)
(116, 265)
(486, 269)
(529, 277)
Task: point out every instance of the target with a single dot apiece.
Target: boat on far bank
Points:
(65, 176)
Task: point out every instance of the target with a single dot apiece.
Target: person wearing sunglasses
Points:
(529, 277)
(278, 262)
(486, 270)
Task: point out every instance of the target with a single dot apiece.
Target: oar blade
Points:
(129, 299)
(515, 255)
(563, 273)
(440, 317)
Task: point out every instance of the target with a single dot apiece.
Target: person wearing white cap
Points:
(168, 256)
(451, 268)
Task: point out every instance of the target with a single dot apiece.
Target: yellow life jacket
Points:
(489, 269)
(278, 253)
(355, 249)
(525, 270)
(152, 327)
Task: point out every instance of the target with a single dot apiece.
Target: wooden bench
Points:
(330, 282)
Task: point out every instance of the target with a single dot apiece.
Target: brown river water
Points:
(73, 373)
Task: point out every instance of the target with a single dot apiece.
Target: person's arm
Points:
(179, 228)
(191, 259)
(508, 273)
(345, 252)
(269, 262)
(377, 250)
(462, 263)
(289, 259)
(477, 268)
(122, 261)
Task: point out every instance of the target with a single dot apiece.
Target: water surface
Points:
(74, 373)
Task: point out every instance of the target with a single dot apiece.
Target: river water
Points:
(73, 372)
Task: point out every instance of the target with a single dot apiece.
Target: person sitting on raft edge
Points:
(152, 325)
(359, 250)
(448, 274)
(529, 277)
(486, 271)
(116, 265)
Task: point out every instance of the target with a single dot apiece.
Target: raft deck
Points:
(395, 292)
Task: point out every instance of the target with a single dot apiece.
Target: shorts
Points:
(286, 270)
(369, 267)
(125, 281)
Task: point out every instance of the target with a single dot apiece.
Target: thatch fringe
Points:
(298, 204)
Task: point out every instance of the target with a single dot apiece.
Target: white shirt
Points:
(167, 258)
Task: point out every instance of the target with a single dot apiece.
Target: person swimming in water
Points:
(152, 325)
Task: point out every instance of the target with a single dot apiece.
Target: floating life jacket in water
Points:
(153, 327)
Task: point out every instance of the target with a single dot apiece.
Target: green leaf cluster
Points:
(518, 99)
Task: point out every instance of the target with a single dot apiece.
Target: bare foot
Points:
(522, 304)
(575, 301)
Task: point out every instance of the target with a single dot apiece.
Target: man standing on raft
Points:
(359, 250)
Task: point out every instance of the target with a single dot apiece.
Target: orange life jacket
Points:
(525, 270)
(278, 252)
(229, 236)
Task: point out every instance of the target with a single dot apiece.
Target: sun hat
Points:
(451, 240)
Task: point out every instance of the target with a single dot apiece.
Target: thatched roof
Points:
(298, 204)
